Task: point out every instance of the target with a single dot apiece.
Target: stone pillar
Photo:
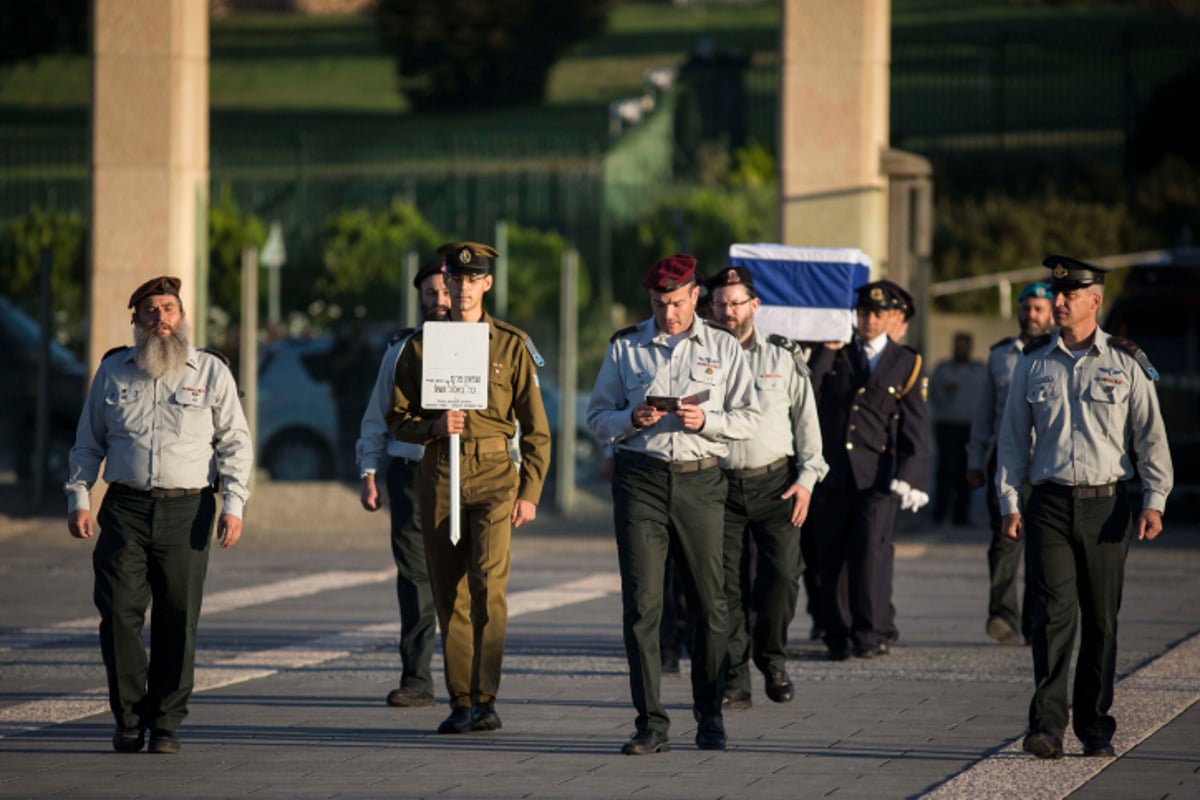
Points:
(149, 155)
(834, 124)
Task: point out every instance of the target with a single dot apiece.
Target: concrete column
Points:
(834, 124)
(149, 155)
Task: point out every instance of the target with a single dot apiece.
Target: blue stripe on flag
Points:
(808, 284)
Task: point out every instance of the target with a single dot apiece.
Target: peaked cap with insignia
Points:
(467, 258)
(1068, 273)
(885, 296)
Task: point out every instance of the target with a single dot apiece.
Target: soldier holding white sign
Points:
(470, 577)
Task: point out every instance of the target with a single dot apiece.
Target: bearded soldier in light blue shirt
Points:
(165, 419)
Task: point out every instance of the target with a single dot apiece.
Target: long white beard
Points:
(158, 356)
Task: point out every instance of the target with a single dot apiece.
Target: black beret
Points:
(886, 296)
(163, 284)
(433, 266)
(467, 258)
(1071, 273)
(732, 276)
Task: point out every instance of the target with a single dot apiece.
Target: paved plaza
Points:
(297, 651)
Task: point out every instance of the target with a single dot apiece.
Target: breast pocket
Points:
(636, 385)
(193, 413)
(1044, 401)
(1109, 404)
(124, 409)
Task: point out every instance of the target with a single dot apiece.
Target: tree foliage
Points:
(22, 240)
(465, 54)
(230, 231)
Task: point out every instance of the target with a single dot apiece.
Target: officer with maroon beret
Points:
(672, 392)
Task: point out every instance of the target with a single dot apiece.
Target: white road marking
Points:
(37, 714)
(1144, 702)
(215, 603)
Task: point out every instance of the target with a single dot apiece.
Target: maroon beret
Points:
(163, 284)
(670, 273)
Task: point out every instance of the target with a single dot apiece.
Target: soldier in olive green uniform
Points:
(1081, 413)
(470, 578)
(166, 420)
(668, 490)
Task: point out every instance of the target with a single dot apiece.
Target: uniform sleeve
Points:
(535, 428)
(83, 466)
(737, 419)
(806, 429)
(373, 430)
(912, 438)
(819, 364)
(1014, 445)
(232, 447)
(609, 416)
(406, 420)
(982, 422)
(1149, 439)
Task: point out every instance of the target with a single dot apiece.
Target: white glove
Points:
(900, 488)
(915, 501)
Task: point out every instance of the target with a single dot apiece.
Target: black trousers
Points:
(654, 510)
(151, 551)
(951, 492)
(762, 581)
(1077, 549)
(414, 594)
(855, 532)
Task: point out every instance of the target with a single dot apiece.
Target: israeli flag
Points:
(805, 293)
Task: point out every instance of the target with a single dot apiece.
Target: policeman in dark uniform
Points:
(165, 419)
(871, 404)
(418, 619)
(1081, 413)
(470, 577)
(672, 391)
(771, 478)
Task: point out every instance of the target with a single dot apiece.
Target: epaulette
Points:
(1005, 342)
(515, 331)
(623, 332)
(217, 354)
(1038, 343)
(792, 347)
(114, 351)
(403, 333)
(1139, 355)
(718, 327)
(913, 376)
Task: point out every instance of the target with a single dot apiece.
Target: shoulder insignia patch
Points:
(533, 351)
(794, 348)
(1005, 342)
(114, 351)
(1038, 343)
(217, 354)
(1139, 355)
(622, 333)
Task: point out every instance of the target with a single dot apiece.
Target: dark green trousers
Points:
(418, 615)
(151, 551)
(762, 582)
(1076, 550)
(655, 509)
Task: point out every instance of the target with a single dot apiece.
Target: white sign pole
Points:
(454, 376)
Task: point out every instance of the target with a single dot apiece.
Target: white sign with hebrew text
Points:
(454, 368)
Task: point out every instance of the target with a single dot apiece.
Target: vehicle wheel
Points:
(298, 456)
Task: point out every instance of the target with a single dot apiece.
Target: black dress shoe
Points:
(644, 743)
(736, 699)
(459, 721)
(129, 740)
(779, 687)
(409, 697)
(839, 653)
(1098, 747)
(484, 717)
(710, 735)
(164, 742)
(1043, 744)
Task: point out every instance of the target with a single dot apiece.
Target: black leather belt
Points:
(1080, 492)
(669, 466)
(154, 494)
(754, 472)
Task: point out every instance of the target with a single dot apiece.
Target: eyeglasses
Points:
(733, 304)
(453, 278)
